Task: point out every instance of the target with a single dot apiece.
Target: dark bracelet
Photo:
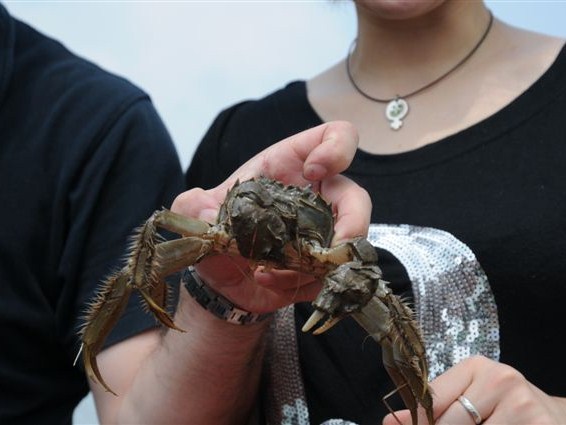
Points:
(218, 305)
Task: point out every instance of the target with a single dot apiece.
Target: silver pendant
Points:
(395, 111)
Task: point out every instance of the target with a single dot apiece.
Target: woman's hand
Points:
(499, 393)
(315, 157)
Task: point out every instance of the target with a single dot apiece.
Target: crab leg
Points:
(390, 323)
(114, 296)
(150, 260)
(375, 319)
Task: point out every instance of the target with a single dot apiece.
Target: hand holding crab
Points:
(277, 227)
(308, 161)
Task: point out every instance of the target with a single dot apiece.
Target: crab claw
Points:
(315, 318)
(346, 290)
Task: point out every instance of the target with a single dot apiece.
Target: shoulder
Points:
(84, 118)
(85, 105)
(62, 79)
(516, 64)
(526, 54)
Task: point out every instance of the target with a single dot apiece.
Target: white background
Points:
(197, 57)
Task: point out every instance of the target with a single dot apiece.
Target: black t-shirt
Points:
(494, 193)
(84, 159)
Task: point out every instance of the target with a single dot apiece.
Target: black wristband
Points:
(218, 305)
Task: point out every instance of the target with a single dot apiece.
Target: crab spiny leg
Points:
(410, 343)
(147, 250)
(401, 385)
(390, 323)
(109, 303)
(159, 310)
(180, 224)
(143, 278)
(375, 318)
(170, 257)
(175, 255)
(102, 315)
(152, 260)
(410, 353)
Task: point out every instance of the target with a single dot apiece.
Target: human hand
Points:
(499, 393)
(315, 157)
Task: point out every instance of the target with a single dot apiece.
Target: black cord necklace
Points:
(397, 108)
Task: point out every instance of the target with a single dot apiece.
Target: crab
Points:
(281, 227)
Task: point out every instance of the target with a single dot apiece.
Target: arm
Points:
(210, 375)
(205, 376)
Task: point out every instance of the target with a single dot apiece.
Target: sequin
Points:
(285, 401)
(454, 303)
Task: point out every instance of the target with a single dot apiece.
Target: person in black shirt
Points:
(462, 149)
(84, 159)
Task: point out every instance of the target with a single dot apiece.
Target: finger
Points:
(308, 156)
(256, 291)
(470, 377)
(326, 150)
(352, 206)
(282, 279)
(474, 378)
(197, 203)
(451, 384)
(290, 286)
(300, 159)
(445, 390)
(403, 416)
(314, 154)
(304, 293)
(466, 411)
(498, 392)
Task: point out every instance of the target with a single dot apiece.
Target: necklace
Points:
(397, 108)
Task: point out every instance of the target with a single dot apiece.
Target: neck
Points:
(397, 56)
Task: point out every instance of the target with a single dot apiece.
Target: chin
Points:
(398, 9)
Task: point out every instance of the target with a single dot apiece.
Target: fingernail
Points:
(314, 172)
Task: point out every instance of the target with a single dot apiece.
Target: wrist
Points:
(200, 323)
(216, 304)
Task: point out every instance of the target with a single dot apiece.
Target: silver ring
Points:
(471, 409)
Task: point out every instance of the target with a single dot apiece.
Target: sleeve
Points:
(133, 170)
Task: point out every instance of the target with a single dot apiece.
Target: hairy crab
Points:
(282, 227)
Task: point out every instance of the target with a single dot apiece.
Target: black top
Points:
(84, 159)
(498, 186)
